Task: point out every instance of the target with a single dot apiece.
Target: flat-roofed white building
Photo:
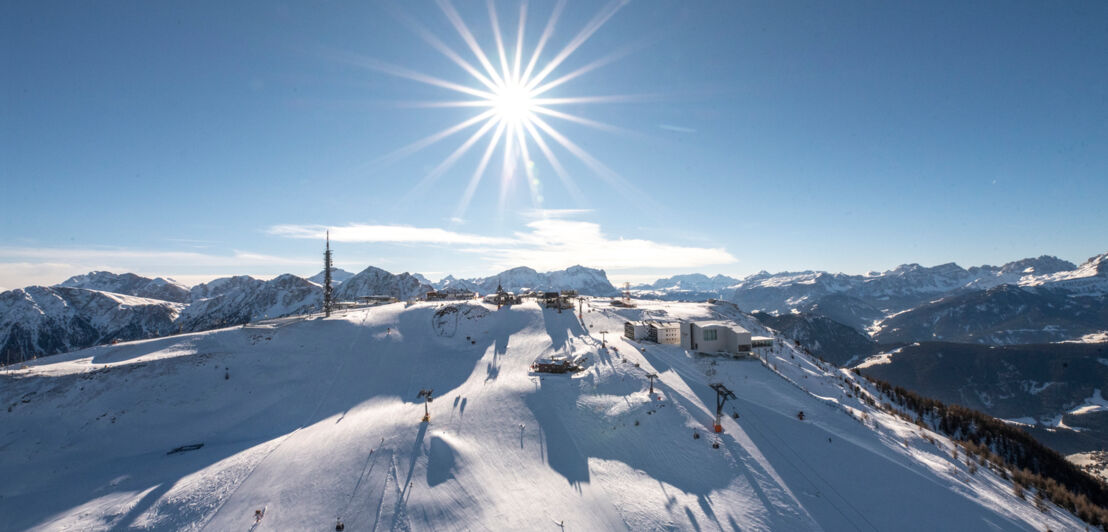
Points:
(664, 332)
(659, 332)
(635, 330)
(715, 337)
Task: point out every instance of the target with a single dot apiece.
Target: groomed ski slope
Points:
(315, 419)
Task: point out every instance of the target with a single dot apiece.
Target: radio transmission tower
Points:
(328, 301)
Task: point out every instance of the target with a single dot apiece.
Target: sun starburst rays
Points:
(512, 99)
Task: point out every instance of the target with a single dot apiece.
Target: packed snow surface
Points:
(313, 420)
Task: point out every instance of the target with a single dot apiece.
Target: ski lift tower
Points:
(627, 294)
(426, 394)
(653, 376)
(722, 395)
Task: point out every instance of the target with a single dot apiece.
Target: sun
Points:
(514, 102)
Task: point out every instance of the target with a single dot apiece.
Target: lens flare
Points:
(510, 99)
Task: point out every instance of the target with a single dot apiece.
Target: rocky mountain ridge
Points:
(101, 307)
(908, 303)
(585, 280)
(130, 284)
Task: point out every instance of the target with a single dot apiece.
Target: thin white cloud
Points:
(24, 266)
(634, 278)
(548, 243)
(18, 274)
(554, 213)
(245, 257)
(553, 244)
(190, 258)
(679, 129)
(71, 254)
(394, 234)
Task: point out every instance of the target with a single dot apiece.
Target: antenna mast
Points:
(328, 301)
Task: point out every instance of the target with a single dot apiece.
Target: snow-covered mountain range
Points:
(903, 304)
(1001, 315)
(1091, 278)
(693, 282)
(901, 288)
(41, 320)
(242, 299)
(375, 281)
(131, 284)
(589, 281)
(306, 422)
(100, 307)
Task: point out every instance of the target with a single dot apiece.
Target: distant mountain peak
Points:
(584, 279)
(374, 281)
(130, 284)
(691, 282)
(338, 276)
(1099, 263)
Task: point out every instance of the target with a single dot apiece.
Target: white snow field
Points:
(316, 419)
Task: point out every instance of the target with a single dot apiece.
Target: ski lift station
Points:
(376, 300)
(700, 336)
(456, 294)
(761, 342)
(715, 337)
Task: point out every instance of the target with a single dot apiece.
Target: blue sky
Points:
(211, 138)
